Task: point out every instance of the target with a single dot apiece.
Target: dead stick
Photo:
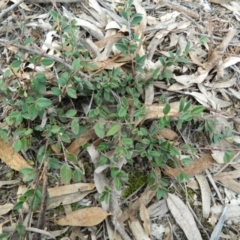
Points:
(43, 207)
(183, 10)
(10, 8)
(34, 51)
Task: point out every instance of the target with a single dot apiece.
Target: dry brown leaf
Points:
(167, 134)
(13, 159)
(74, 148)
(168, 234)
(225, 84)
(137, 230)
(156, 112)
(86, 217)
(183, 217)
(67, 199)
(197, 166)
(145, 218)
(6, 208)
(69, 189)
(158, 209)
(233, 212)
(205, 194)
(227, 179)
(102, 43)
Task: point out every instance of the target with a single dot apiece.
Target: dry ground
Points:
(193, 210)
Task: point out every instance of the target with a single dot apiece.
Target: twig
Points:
(43, 207)
(183, 10)
(57, 1)
(31, 229)
(34, 51)
(5, 11)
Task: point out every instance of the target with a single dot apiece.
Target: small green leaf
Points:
(118, 184)
(71, 157)
(181, 105)
(167, 74)
(55, 129)
(28, 132)
(65, 138)
(186, 161)
(121, 47)
(17, 145)
(71, 113)
(145, 141)
(43, 102)
(33, 112)
(183, 60)
(103, 160)
(124, 14)
(187, 105)
(122, 112)
(76, 64)
(77, 175)
(75, 126)
(127, 141)
(136, 19)
(18, 206)
(99, 129)
(113, 129)
(53, 163)
(72, 92)
(185, 116)
(47, 61)
(197, 110)
(166, 109)
(25, 143)
(66, 174)
(16, 63)
(228, 155)
(56, 91)
(21, 229)
(28, 193)
(28, 174)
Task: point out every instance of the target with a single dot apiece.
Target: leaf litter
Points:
(164, 27)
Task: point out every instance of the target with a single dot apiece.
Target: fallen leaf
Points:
(158, 209)
(167, 134)
(74, 147)
(197, 166)
(156, 112)
(145, 218)
(13, 159)
(205, 194)
(9, 182)
(86, 217)
(67, 199)
(137, 230)
(69, 189)
(6, 208)
(183, 217)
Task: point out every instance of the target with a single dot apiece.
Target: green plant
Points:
(44, 114)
